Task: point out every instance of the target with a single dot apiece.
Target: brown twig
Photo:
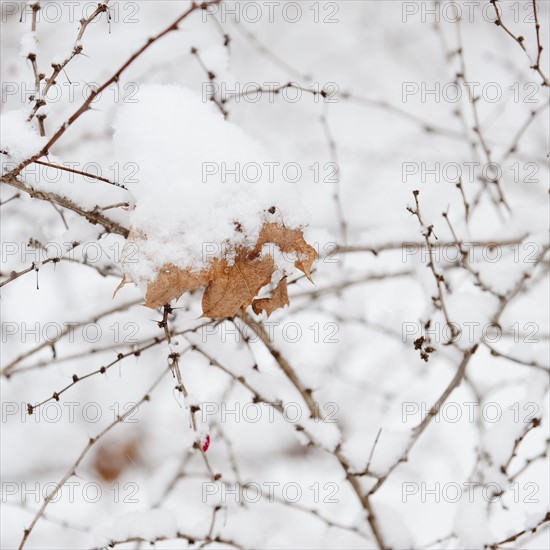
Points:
(91, 442)
(520, 39)
(336, 195)
(513, 538)
(114, 78)
(93, 216)
(178, 536)
(534, 364)
(58, 67)
(10, 367)
(80, 173)
(427, 232)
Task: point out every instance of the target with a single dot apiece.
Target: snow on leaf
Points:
(233, 282)
(185, 208)
(288, 241)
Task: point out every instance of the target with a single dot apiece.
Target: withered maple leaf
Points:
(171, 283)
(278, 299)
(288, 241)
(232, 286)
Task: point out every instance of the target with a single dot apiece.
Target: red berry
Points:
(205, 442)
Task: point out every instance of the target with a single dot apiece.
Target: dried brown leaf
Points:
(289, 241)
(171, 283)
(114, 457)
(232, 288)
(278, 299)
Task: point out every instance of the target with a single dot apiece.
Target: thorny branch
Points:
(91, 443)
(315, 299)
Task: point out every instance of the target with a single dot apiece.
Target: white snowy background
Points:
(361, 474)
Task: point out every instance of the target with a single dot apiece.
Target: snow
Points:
(389, 448)
(353, 351)
(18, 138)
(324, 433)
(146, 525)
(471, 314)
(395, 531)
(29, 42)
(471, 523)
(190, 206)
